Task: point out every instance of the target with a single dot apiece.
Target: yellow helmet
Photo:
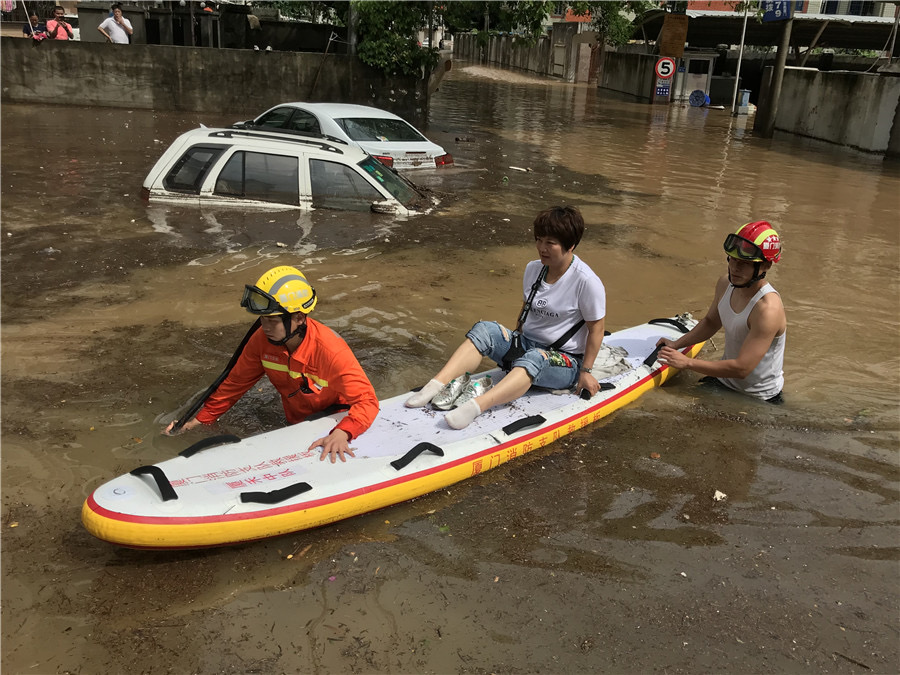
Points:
(281, 290)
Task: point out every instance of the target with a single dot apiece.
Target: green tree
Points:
(611, 19)
(386, 36)
(524, 17)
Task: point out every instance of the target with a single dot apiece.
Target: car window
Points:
(375, 129)
(188, 172)
(337, 186)
(399, 187)
(274, 118)
(304, 122)
(261, 176)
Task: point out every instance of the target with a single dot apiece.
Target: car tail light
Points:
(145, 194)
(384, 159)
(443, 160)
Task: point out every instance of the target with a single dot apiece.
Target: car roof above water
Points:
(274, 139)
(340, 110)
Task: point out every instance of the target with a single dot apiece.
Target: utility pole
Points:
(486, 43)
(352, 25)
(431, 24)
(767, 130)
(193, 34)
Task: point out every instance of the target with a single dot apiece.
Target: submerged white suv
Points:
(268, 169)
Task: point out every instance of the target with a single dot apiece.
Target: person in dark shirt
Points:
(34, 27)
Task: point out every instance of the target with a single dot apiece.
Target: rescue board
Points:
(224, 490)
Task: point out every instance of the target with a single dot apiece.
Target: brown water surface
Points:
(586, 556)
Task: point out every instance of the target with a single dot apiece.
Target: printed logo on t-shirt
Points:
(546, 313)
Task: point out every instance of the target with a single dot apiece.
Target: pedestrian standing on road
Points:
(57, 27)
(752, 314)
(116, 28)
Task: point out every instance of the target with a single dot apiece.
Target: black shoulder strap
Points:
(534, 289)
(194, 409)
(568, 336)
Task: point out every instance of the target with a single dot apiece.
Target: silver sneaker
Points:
(446, 398)
(474, 389)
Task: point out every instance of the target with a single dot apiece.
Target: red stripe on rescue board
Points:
(192, 520)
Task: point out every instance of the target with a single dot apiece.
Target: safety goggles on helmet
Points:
(740, 248)
(259, 302)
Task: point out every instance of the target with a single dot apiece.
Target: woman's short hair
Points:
(563, 223)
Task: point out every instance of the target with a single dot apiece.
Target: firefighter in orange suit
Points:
(309, 364)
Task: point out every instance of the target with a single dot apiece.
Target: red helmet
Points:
(756, 242)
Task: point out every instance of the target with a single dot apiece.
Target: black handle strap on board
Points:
(666, 322)
(275, 496)
(652, 358)
(330, 410)
(670, 322)
(604, 386)
(194, 409)
(208, 443)
(415, 452)
(523, 423)
(166, 491)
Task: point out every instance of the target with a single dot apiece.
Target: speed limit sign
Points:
(665, 68)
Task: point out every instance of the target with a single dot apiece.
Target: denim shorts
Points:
(546, 368)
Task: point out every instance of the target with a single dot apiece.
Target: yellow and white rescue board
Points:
(225, 490)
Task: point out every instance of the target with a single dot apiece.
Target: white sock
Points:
(425, 394)
(461, 417)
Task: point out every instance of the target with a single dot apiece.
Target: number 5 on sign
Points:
(665, 68)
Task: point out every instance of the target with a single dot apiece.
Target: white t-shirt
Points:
(115, 31)
(578, 294)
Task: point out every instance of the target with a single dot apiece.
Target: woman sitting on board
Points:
(559, 334)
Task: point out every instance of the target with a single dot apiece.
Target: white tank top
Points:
(767, 379)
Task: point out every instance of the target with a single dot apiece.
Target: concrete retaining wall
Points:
(163, 77)
(565, 53)
(507, 52)
(853, 109)
(630, 74)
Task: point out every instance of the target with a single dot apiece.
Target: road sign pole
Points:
(737, 77)
(662, 80)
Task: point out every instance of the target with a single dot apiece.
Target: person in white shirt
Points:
(559, 335)
(116, 28)
(752, 314)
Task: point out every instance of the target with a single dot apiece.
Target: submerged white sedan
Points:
(384, 135)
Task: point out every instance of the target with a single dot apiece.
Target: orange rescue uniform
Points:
(320, 373)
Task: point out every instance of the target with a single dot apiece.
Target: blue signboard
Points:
(777, 10)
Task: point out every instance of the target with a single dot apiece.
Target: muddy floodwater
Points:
(604, 552)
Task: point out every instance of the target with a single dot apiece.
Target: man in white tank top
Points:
(752, 314)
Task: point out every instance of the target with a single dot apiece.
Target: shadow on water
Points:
(603, 552)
